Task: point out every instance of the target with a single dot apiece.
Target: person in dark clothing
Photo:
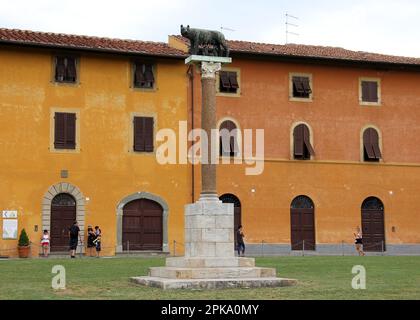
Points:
(97, 241)
(74, 238)
(90, 240)
(240, 241)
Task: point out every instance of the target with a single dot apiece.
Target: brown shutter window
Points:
(298, 142)
(143, 75)
(60, 69)
(370, 91)
(307, 141)
(224, 80)
(64, 130)
(71, 69)
(301, 87)
(143, 134)
(233, 79)
(302, 148)
(228, 147)
(371, 148)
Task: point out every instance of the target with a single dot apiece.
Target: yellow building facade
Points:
(102, 173)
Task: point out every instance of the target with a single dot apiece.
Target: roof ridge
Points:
(80, 36)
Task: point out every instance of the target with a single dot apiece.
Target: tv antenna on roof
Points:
(288, 23)
(227, 29)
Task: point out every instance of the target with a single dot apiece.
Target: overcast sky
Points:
(383, 26)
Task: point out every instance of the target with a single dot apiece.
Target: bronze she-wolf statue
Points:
(206, 42)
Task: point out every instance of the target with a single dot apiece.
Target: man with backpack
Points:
(74, 238)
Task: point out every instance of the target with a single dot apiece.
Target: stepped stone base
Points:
(218, 283)
(210, 261)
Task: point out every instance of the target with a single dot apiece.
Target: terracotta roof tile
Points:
(317, 52)
(68, 41)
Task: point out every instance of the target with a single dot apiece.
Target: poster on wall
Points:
(10, 229)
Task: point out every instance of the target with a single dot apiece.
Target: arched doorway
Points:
(142, 225)
(302, 220)
(63, 214)
(373, 225)
(237, 218)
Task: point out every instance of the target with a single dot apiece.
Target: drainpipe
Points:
(190, 73)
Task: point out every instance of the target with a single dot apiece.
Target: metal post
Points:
(174, 248)
(303, 248)
(128, 246)
(383, 247)
(262, 248)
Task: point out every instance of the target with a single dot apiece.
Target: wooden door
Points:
(63, 215)
(373, 225)
(142, 225)
(302, 222)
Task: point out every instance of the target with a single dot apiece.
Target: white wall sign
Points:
(10, 229)
(10, 214)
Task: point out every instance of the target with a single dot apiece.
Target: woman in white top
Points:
(45, 243)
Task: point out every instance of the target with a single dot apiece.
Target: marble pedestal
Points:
(209, 261)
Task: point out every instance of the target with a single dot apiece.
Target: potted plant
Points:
(23, 244)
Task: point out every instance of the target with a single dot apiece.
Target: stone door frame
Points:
(138, 196)
(64, 187)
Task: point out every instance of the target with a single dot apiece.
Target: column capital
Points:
(209, 69)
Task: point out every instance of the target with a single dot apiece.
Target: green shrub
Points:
(23, 239)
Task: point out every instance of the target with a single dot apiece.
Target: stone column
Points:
(208, 122)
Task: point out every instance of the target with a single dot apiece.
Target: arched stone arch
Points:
(63, 187)
(137, 196)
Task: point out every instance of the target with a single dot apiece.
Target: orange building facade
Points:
(340, 144)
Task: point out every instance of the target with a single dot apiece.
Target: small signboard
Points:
(10, 214)
(10, 229)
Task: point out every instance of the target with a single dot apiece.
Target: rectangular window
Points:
(64, 130)
(301, 87)
(143, 134)
(144, 75)
(65, 69)
(228, 82)
(370, 91)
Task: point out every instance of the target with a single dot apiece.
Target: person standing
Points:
(359, 241)
(240, 241)
(45, 243)
(97, 241)
(74, 238)
(90, 240)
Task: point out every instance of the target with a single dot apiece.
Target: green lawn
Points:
(319, 278)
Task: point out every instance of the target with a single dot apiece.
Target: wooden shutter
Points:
(59, 130)
(143, 134)
(71, 69)
(224, 80)
(139, 78)
(374, 141)
(298, 85)
(370, 91)
(64, 130)
(306, 86)
(70, 121)
(139, 138)
(231, 148)
(148, 74)
(367, 143)
(148, 133)
(233, 79)
(60, 69)
(307, 140)
(298, 141)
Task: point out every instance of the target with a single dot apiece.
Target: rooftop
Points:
(67, 41)
(317, 52)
